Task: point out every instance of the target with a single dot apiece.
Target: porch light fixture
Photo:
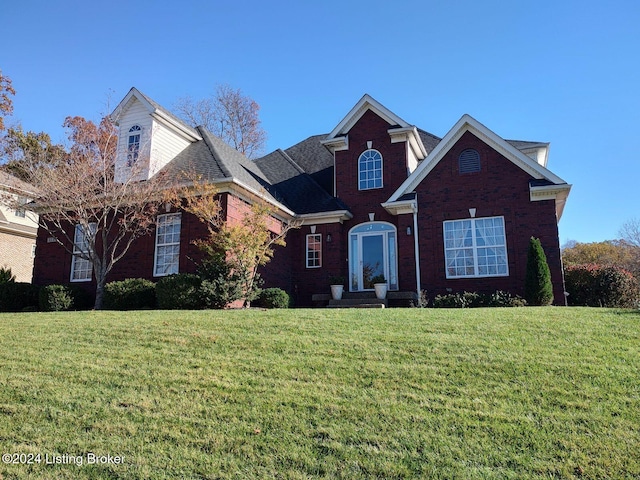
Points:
(329, 239)
(312, 228)
(372, 216)
(167, 207)
(409, 230)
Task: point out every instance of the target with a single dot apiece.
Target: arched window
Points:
(133, 144)
(370, 170)
(469, 161)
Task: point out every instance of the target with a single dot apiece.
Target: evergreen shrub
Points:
(181, 291)
(130, 294)
(273, 298)
(538, 289)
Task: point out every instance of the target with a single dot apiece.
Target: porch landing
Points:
(365, 300)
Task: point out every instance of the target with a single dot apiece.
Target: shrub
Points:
(181, 291)
(458, 300)
(55, 298)
(18, 296)
(220, 285)
(474, 300)
(538, 289)
(505, 299)
(6, 276)
(273, 298)
(601, 286)
(130, 294)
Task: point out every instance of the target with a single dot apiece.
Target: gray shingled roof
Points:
(296, 187)
(300, 177)
(213, 160)
(9, 182)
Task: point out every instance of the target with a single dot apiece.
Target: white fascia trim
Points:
(172, 124)
(24, 231)
(134, 92)
(559, 193)
(261, 196)
(155, 113)
(364, 104)
(410, 135)
(336, 144)
(336, 216)
(400, 208)
(469, 124)
(231, 185)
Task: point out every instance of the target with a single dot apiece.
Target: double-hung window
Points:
(167, 244)
(314, 250)
(81, 266)
(475, 247)
(133, 145)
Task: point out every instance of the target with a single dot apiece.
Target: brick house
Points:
(18, 228)
(376, 195)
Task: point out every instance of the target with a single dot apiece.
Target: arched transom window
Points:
(370, 170)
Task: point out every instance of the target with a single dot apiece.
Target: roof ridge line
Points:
(214, 152)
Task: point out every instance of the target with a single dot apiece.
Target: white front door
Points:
(372, 252)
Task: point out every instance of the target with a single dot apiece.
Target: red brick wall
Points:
(500, 189)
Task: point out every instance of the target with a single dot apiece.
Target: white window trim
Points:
(132, 157)
(318, 238)
(475, 248)
(381, 170)
(74, 258)
(155, 253)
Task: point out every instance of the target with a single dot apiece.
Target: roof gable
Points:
(366, 103)
(157, 112)
(469, 124)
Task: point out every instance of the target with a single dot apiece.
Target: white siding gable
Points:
(161, 138)
(134, 114)
(165, 145)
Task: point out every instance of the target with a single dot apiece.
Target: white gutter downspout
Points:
(416, 248)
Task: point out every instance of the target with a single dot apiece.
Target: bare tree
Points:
(84, 208)
(6, 103)
(230, 115)
(630, 232)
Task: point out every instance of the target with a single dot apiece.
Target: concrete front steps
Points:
(365, 300)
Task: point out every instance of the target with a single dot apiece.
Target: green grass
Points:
(397, 393)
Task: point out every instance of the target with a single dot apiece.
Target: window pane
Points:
(475, 247)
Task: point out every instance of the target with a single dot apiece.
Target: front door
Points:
(372, 252)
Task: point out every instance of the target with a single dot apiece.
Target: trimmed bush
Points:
(475, 300)
(273, 298)
(130, 294)
(18, 296)
(458, 300)
(55, 298)
(181, 291)
(601, 286)
(538, 289)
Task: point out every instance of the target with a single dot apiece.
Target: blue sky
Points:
(564, 71)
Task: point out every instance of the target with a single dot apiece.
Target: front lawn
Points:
(395, 393)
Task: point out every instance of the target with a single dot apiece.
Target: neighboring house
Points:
(18, 228)
(376, 195)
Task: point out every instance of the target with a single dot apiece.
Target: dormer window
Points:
(133, 145)
(370, 170)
